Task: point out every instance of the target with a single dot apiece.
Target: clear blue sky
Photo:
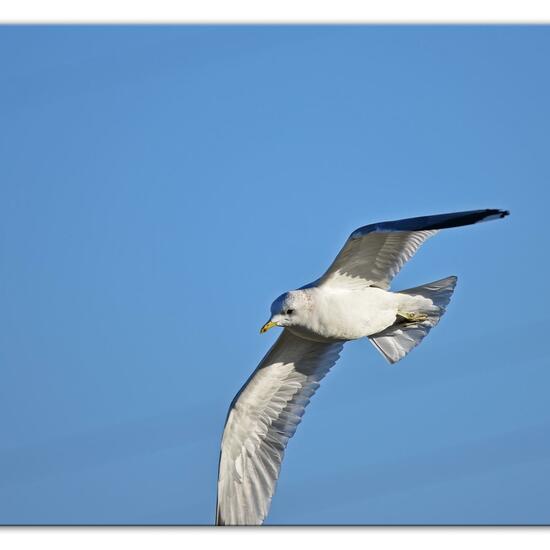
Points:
(160, 186)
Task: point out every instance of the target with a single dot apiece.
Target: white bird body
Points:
(350, 301)
(336, 314)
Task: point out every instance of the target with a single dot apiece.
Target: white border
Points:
(280, 11)
(379, 538)
(283, 11)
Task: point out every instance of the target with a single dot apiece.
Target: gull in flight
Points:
(351, 300)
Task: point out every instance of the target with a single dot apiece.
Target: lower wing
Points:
(262, 418)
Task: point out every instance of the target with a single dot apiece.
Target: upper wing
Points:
(262, 418)
(374, 254)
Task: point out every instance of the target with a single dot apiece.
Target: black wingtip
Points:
(458, 219)
(433, 222)
(494, 213)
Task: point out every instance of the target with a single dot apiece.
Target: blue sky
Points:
(160, 186)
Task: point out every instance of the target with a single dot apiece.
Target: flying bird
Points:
(351, 300)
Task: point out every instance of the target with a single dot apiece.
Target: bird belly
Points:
(351, 315)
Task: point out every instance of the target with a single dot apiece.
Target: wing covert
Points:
(373, 259)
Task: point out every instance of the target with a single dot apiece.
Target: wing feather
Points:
(262, 418)
(374, 254)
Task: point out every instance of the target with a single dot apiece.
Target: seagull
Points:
(350, 301)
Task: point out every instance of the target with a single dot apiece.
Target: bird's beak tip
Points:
(267, 326)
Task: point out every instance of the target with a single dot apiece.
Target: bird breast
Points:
(337, 315)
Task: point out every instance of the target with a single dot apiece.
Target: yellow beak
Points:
(267, 326)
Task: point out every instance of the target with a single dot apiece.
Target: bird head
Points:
(287, 310)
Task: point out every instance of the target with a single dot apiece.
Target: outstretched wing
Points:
(262, 418)
(374, 254)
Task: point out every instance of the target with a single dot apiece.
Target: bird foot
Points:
(409, 317)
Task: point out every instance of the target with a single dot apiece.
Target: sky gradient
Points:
(160, 186)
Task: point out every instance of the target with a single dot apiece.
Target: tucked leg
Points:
(410, 317)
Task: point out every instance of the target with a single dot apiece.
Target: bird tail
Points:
(401, 337)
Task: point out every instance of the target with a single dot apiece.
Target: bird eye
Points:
(289, 311)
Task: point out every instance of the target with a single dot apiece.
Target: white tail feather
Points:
(396, 341)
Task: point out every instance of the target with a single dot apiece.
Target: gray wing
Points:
(262, 418)
(374, 254)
